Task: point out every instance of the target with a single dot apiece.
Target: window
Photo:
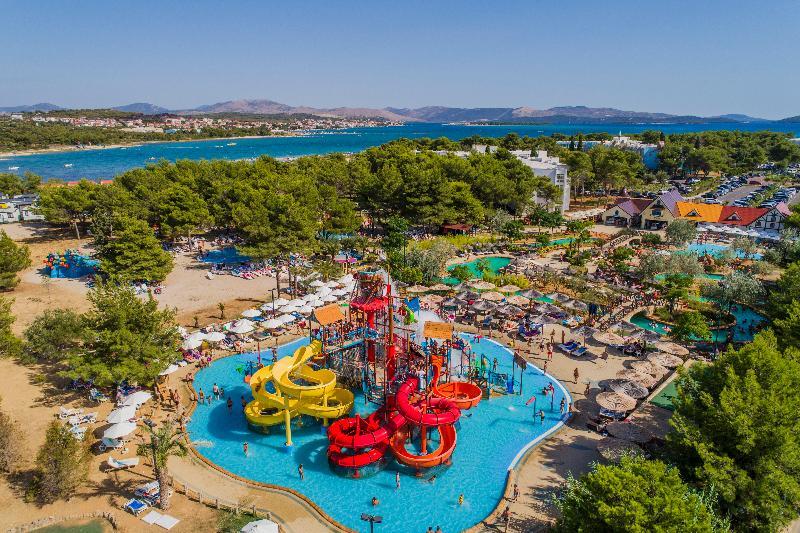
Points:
(656, 212)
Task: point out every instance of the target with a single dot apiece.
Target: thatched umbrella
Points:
(417, 289)
(629, 431)
(509, 288)
(615, 401)
(468, 295)
(453, 302)
(559, 297)
(672, 348)
(518, 300)
(532, 294)
(434, 299)
(493, 296)
(607, 337)
(439, 287)
(646, 367)
(482, 285)
(578, 305)
(664, 359)
(627, 387)
(483, 306)
(612, 449)
(645, 380)
(509, 310)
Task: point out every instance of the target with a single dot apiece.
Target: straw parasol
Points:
(439, 287)
(492, 296)
(559, 297)
(481, 285)
(417, 289)
(645, 380)
(629, 431)
(483, 305)
(665, 359)
(671, 348)
(578, 305)
(646, 367)
(615, 401)
(627, 387)
(452, 302)
(532, 294)
(518, 300)
(468, 295)
(433, 298)
(607, 337)
(509, 288)
(612, 449)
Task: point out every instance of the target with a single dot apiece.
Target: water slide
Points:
(357, 442)
(296, 389)
(462, 393)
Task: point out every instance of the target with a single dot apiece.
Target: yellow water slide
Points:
(297, 389)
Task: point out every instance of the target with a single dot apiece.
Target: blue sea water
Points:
(96, 164)
(490, 438)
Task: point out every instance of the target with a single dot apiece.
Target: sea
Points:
(106, 163)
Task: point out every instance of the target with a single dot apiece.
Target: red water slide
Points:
(357, 442)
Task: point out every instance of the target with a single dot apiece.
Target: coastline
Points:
(63, 149)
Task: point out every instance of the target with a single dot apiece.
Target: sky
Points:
(704, 57)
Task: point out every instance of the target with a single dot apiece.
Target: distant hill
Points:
(143, 107)
(742, 118)
(30, 108)
(795, 119)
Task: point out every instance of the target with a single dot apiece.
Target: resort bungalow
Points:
(661, 211)
(760, 218)
(8, 212)
(626, 212)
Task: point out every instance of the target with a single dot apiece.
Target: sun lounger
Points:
(146, 489)
(97, 396)
(135, 506)
(579, 351)
(569, 346)
(121, 464)
(89, 418)
(110, 444)
(65, 412)
(78, 431)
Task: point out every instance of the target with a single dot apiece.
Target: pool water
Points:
(224, 255)
(556, 242)
(490, 438)
(495, 265)
(744, 315)
(704, 275)
(716, 250)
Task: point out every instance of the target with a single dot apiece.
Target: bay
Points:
(106, 163)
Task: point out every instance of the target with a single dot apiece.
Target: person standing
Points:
(246, 448)
(562, 406)
(576, 374)
(515, 493)
(397, 480)
(301, 472)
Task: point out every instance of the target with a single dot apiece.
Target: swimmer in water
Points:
(432, 478)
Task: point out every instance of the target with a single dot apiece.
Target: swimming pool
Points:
(744, 315)
(490, 438)
(223, 256)
(704, 275)
(495, 265)
(716, 250)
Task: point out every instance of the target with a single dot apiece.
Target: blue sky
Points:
(678, 56)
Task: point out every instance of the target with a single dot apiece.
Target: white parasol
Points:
(118, 431)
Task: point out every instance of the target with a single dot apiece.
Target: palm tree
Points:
(164, 443)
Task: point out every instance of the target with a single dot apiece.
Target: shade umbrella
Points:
(615, 401)
(559, 297)
(291, 308)
(169, 370)
(197, 335)
(118, 431)
(439, 287)
(509, 288)
(330, 298)
(481, 285)
(344, 280)
(627, 387)
(647, 367)
(240, 326)
(306, 310)
(191, 344)
(492, 296)
(316, 283)
(287, 318)
(518, 300)
(645, 380)
(261, 526)
(339, 292)
(314, 303)
(272, 323)
(468, 295)
(182, 331)
(613, 449)
(629, 431)
(607, 337)
(483, 306)
(278, 302)
(578, 305)
(532, 294)
(137, 398)
(331, 284)
(215, 336)
(664, 359)
(509, 310)
(121, 414)
(251, 313)
(297, 302)
(416, 289)
(434, 299)
(323, 291)
(452, 302)
(671, 348)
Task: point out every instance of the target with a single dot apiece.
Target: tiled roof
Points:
(741, 216)
(632, 206)
(699, 212)
(669, 199)
(783, 209)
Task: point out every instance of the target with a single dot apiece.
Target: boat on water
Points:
(13, 168)
(67, 165)
(231, 144)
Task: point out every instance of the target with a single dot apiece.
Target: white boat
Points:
(67, 165)
(13, 168)
(231, 144)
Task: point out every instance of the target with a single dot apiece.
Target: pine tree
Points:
(135, 254)
(62, 464)
(13, 258)
(580, 142)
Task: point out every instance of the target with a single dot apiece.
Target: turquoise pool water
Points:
(715, 277)
(744, 316)
(490, 438)
(715, 250)
(556, 242)
(495, 264)
(224, 255)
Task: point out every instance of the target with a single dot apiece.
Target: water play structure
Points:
(69, 264)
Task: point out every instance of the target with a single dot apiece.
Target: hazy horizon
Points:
(674, 57)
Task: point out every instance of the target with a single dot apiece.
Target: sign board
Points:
(438, 330)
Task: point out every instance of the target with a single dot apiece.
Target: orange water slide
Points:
(462, 393)
(442, 453)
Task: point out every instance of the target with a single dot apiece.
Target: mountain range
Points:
(553, 115)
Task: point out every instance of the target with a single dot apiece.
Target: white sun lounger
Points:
(65, 412)
(119, 464)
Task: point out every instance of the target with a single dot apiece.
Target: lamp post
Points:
(272, 292)
(372, 519)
